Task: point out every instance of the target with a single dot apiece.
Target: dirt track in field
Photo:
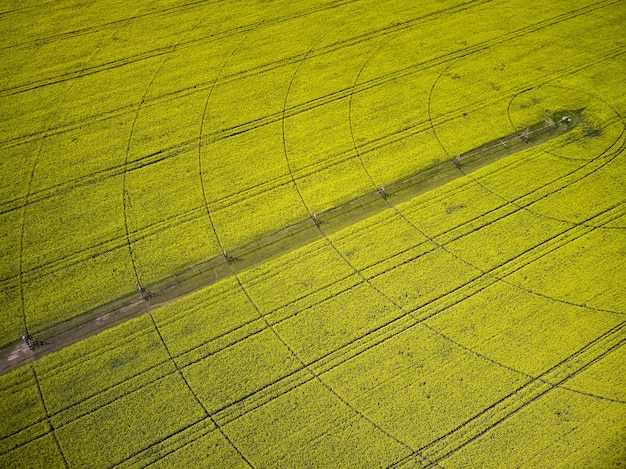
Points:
(85, 325)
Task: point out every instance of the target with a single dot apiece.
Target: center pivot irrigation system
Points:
(28, 347)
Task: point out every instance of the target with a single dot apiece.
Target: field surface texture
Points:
(405, 225)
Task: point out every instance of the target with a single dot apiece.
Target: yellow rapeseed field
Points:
(479, 322)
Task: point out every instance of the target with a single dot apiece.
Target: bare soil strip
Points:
(132, 305)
